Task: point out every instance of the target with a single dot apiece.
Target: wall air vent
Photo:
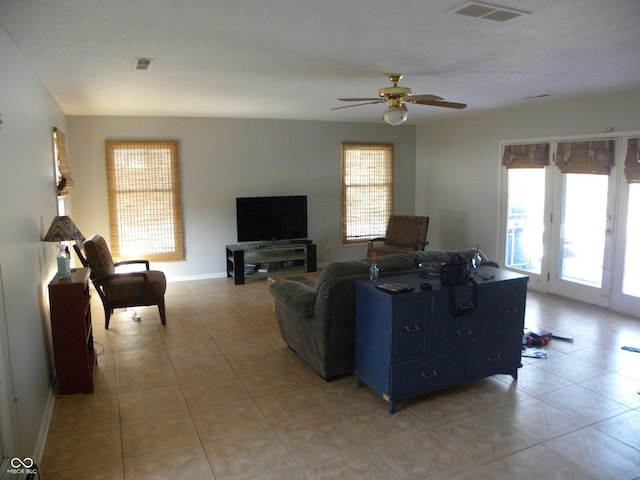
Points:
(143, 63)
(488, 12)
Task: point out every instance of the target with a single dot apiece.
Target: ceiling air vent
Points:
(143, 63)
(488, 12)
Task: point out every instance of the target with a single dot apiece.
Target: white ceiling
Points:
(291, 59)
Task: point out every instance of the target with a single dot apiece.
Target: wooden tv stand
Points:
(275, 258)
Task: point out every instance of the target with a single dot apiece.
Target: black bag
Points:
(454, 275)
(456, 272)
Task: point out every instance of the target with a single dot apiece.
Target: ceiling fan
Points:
(398, 97)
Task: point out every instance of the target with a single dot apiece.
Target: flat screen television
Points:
(271, 218)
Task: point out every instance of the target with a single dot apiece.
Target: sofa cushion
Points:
(395, 263)
(349, 268)
(443, 256)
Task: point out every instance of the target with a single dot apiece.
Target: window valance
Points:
(63, 173)
(594, 157)
(534, 155)
(632, 161)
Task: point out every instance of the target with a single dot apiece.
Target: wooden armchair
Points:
(121, 290)
(405, 233)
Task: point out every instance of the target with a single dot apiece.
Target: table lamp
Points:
(63, 229)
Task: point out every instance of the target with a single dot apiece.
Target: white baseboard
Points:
(188, 278)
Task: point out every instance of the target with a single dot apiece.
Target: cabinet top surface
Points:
(78, 275)
(486, 276)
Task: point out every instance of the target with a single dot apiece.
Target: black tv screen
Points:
(271, 218)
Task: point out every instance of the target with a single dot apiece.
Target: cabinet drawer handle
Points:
(512, 310)
(465, 333)
(429, 375)
(494, 358)
(409, 329)
(469, 306)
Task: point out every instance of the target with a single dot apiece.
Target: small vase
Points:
(63, 260)
(374, 272)
(476, 260)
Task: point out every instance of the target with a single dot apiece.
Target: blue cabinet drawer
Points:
(458, 333)
(409, 330)
(510, 311)
(497, 357)
(426, 374)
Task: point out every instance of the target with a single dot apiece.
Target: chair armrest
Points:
(423, 244)
(132, 262)
(107, 278)
(378, 239)
(297, 296)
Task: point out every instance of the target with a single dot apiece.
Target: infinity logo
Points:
(18, 462)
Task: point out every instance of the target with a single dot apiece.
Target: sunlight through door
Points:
(583, 228)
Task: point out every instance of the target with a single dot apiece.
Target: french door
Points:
(575, 234)
(625, 296)
(581, 237)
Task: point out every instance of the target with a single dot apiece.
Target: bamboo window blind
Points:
(590, 157)
(145, 215)
(632, 161)
(534, 155)
(367, 190)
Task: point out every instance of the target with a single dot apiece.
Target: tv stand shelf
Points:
(279, 257)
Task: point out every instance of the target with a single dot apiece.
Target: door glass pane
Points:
(525, 218)
(630, 280)
(584, 217)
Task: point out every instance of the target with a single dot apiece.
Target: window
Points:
(64, 183)
(145, 216)
(525, 204)
(367, 190)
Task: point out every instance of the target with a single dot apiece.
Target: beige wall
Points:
(222, 159)
(26, 263)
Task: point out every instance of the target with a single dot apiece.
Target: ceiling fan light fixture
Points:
(395, 114)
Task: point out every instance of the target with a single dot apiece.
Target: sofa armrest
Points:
(297, 296)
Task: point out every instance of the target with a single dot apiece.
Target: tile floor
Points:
(216, 394)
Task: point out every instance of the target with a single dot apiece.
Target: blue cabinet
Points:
(412, 343)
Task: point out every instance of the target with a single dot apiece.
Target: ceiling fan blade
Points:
(438, 103)
(422, 98)
(358, 104)
(362, 99)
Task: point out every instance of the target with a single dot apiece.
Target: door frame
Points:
(8, 415)
(584, 293)
(619, 301)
